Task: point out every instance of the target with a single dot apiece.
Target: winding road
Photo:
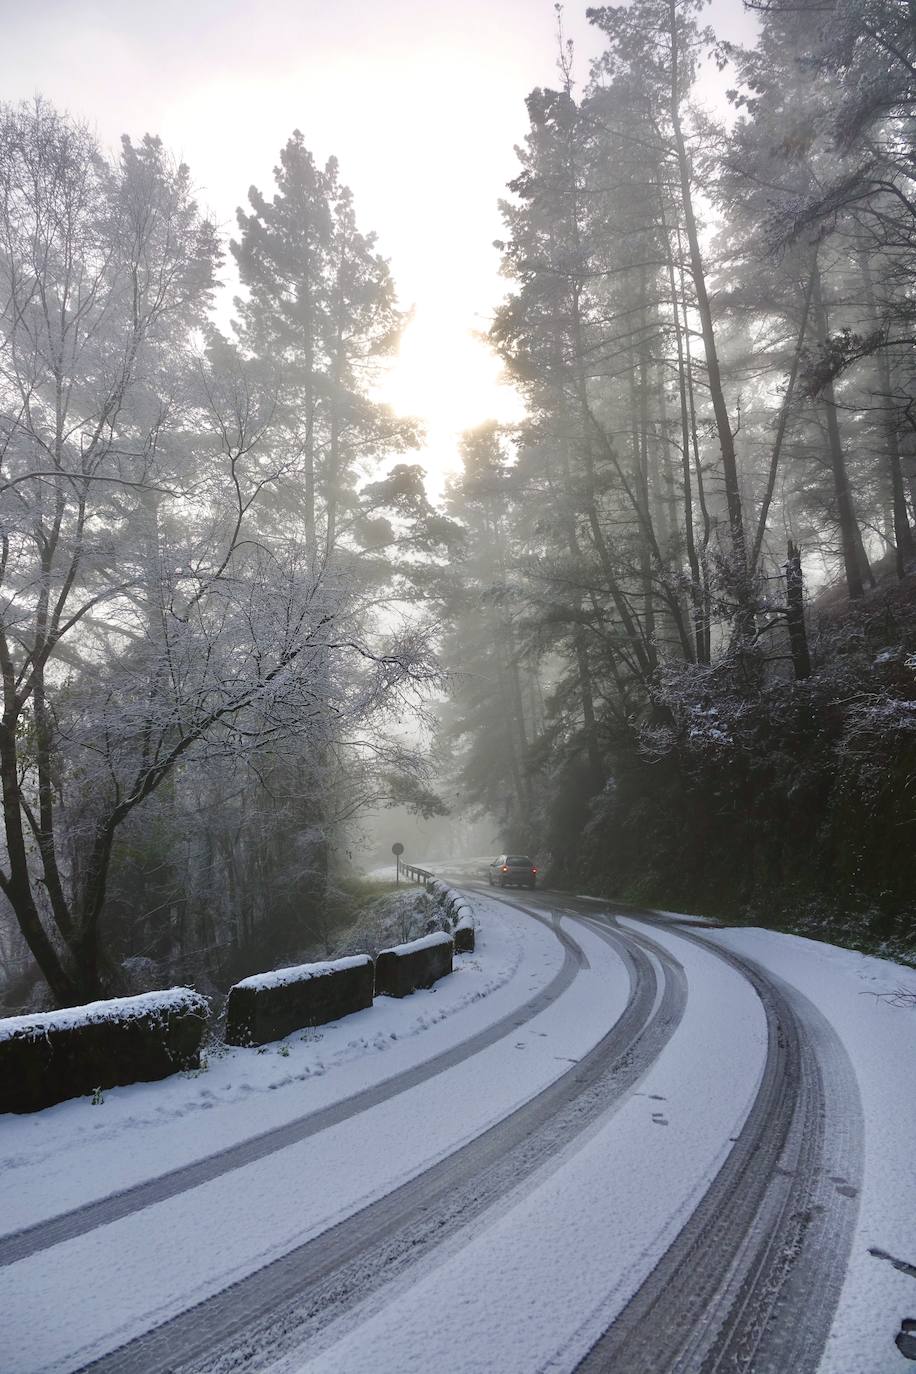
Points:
(731, 1261)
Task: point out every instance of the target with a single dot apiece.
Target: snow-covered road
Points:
(605, 1142)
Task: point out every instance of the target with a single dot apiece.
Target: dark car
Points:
(512, 870)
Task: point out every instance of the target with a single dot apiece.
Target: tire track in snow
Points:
(18, 1245)
(295, 1297)
(752, 1282)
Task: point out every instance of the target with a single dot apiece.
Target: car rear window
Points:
(519, 861)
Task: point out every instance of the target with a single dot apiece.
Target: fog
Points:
(479, 428)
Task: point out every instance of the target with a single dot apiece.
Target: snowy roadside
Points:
(176, 1253)
(854, 992)
(80, 1151)
(620, 908)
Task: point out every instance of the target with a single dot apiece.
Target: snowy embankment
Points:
(860, 997)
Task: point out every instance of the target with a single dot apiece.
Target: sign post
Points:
(397, 850)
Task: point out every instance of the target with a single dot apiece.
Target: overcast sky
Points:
(421, 101)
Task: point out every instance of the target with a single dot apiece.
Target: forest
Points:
(661, 633)
(687, 633)
(203, 658)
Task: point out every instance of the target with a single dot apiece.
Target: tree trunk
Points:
(664, 500)
(310, 520)
(86, 941)
(588, 705)
(903, 535)
(782, 423)
(850, 536)
(586, 688)
(717, 395)
(795, 612)
(641, 486)
(17, 888)
(698, 472)
(517, 710)
(696, 590)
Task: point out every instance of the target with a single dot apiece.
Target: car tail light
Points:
(534, 870)
(505, 868)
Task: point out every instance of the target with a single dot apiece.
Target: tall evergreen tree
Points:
(321, 309)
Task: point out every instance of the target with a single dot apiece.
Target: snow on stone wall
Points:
(55, 1055)
(438, 937)
(405, 968)
(453, 903)
(116, 1009)
(270, 1006)
(301, 973)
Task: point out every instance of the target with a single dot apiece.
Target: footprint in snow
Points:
(843, 1186)
(905, 1340)
(658, 1119)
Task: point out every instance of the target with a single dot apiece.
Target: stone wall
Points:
(270, 1006)
(55, 1055)
(405, 968)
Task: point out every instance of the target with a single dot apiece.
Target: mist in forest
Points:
(475, 430)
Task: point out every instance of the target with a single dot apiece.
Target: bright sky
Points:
(422, 102)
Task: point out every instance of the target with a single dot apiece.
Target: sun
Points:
(447, 377)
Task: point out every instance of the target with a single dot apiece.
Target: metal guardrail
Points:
(418, 875)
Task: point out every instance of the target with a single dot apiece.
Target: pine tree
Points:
(321, 310)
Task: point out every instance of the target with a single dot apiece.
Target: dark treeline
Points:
(204, 580)
(685, 643)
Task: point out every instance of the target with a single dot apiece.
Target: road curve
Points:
(748, 1286)
(751, 1284)
(291, 1300)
